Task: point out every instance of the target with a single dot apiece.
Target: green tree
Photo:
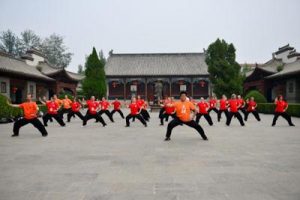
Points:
(9, 42)
(225, 72)
(80, 69)
(94, 83)
(56, 51)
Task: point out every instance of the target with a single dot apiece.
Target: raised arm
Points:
(12, 105)
(42, 101)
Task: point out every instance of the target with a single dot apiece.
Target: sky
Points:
(255, 27)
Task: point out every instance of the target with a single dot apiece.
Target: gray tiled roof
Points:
(288, 69)
(12, 65)
(48, 70)
(270, 66)
(156, 64)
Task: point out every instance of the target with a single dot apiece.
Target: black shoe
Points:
(292, 124)
(45, 135)
(127, 126)
(205, 139)
(145, 125)
(273, 124)
(45, 124)
(104, 125)
(167, 139)
(14, 135)
(161, 124)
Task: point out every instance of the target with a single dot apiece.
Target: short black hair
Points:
(183, 92)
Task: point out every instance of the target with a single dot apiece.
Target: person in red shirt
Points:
(183, 109)
(223, 107)
(117, 108)
(52, 112)
(212, 104)
(104, 106)
(141, 103)
(91, 113)
(169, 110)
(75, 110)
(251, 109)
(242, 104)
(280, 110)
(30, 110)
(203, 111)
(66, 106)
(234, 111)
(134, 112)
(163, 103)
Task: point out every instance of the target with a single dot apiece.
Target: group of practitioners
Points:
(186, 111)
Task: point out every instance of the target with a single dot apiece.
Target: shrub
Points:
(258, 97)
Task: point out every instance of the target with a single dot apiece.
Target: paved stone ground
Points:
(253, 162)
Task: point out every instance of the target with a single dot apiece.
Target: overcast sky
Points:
(256, 27)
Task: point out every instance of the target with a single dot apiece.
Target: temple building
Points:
(279, 75)
(32, 73)
(141, 74)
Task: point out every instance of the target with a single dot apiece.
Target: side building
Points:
(32, 73)
(280, 75)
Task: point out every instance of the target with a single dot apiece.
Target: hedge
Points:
(8, 112)
(258, 97)
(268, 108)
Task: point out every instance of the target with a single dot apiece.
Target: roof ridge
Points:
(140, 54)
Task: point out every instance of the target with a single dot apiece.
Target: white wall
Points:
(284, 57)
(7, 82)
(36, 60)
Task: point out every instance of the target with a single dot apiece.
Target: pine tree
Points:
(94, 83)
(224, 71)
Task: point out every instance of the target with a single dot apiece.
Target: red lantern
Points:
(202, 83)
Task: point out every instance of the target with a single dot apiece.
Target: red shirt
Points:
(52, 107)
(134, 108)
(223, 104)
(92, 106)
(169, 109)
(241, 102)
(104, 105)
(140, 103)
(212, 103)
(203, 107)
(233, 104)
(251, 106)
(280, 106)
(75, 106)
(165, 102)
(117, 105)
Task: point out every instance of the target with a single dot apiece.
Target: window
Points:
(291, 87)
(182, 87)
(133, 88)
(3, 87)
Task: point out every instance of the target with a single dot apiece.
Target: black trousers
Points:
(254, 112)
(119, 111)
(237, 115)
(107, 113)
(63, 111)
(161, 111)
(286, 116)
(220, 113)
(175, 122)
(206, 116)
(138, 116)
(145, 114)
(35, 122)
(48, 116)
(72, 113)
(243, 110)
(166, 117)
(214, 109)
(89, 116)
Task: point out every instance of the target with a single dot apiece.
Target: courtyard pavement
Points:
(255, 162)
